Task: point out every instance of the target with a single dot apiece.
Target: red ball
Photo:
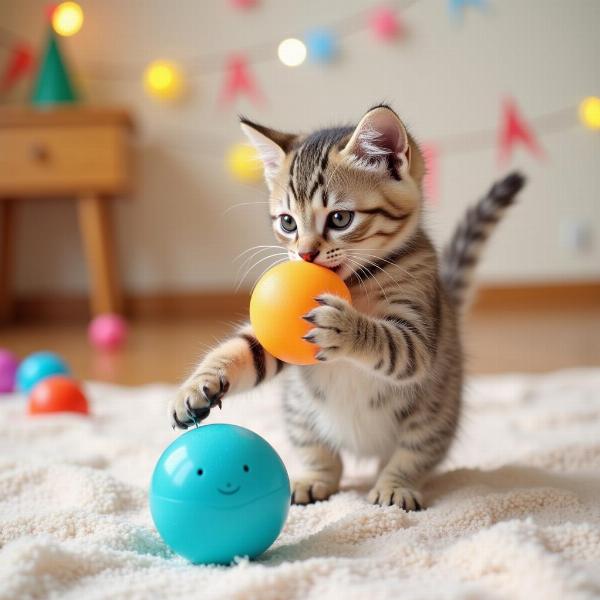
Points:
(57, 394)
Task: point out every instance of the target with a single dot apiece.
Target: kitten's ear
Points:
(379, 136)
(271, 145)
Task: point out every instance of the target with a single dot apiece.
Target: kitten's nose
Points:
(309, 256)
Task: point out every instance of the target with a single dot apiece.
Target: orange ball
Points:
(57, 394)
(282, 296)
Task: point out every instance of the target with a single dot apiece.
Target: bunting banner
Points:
(513, 130)
(20, 63)
(238, 80)
(456, 7)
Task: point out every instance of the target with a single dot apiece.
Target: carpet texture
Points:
(514, 512)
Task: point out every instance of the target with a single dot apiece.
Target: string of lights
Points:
(165, 80)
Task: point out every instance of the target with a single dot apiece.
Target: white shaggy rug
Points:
(514, 514)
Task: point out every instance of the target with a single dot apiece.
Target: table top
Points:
(19, 116)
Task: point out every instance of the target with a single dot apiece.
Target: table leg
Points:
(7, 255)
(96, 231)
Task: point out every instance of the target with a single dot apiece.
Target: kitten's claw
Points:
(196, 414)
(197, 396)
(214, 397)
(387, 495)
(310, 317)
(331, 300)
(336, 326)
(177, 423)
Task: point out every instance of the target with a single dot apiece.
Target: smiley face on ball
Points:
(229, 483)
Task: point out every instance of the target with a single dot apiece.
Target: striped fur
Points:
(389, 374)
(462, 253)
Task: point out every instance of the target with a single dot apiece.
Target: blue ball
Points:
(38, 366)
(219, 491)
(321, 45)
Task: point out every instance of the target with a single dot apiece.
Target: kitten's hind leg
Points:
(396, 484)
(321, 478)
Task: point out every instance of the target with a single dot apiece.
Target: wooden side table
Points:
(77, 152)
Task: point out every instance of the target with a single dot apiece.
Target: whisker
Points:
(360, 279)
(245, 262)
(256, 264)
(377, 281)
(254, 248)
(277, 262)
(243, 204)
(249, 259)
(389, 262)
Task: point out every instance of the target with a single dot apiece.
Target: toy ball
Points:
(57, 394)
(37, 367)
(107, 332)
(9, 364)
(219, 491)
(282, 296)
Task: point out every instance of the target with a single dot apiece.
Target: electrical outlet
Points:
(576, 236)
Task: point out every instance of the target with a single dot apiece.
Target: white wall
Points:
(444, 79)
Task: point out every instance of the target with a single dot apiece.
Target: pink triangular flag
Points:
(514, 129)
(239, 81)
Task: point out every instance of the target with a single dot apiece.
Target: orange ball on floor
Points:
(57, 394)
(282, 296)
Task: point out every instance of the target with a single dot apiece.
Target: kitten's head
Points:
(341, 197)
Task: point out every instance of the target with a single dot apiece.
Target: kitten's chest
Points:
(355, 410)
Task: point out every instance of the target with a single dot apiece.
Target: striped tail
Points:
(462, 253)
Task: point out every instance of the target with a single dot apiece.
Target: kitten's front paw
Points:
(307, 491)
(336, 326)
(387, 495)
(196, 397)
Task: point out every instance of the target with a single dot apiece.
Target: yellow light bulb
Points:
(244, 163)
(291, 52)
(589, 112)
(163, 80)
(67, 18)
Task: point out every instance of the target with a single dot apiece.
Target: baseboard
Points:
(539, 296)
(554, 296)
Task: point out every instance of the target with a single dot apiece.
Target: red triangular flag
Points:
(19, 64)
(514, 129)
(238, 80)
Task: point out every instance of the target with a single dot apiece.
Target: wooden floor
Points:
(496, 341)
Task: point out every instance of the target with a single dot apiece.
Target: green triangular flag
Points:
(53, 85)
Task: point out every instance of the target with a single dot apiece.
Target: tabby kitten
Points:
(388, 383)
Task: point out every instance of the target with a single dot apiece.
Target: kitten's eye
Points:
(287, 223)
(340, 219)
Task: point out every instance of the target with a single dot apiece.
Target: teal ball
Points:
(217, 492)
(39, 366)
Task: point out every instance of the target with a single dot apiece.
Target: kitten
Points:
(390, 373)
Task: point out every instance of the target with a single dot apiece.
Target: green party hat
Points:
(53, 84)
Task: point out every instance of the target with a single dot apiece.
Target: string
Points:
(212, 62)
